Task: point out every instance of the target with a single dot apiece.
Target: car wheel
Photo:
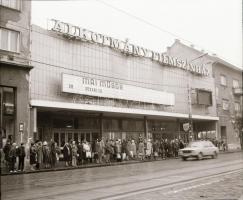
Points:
(215, 155)
(200, 156)
(184, 158)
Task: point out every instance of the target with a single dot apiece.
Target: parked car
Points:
(199, 149)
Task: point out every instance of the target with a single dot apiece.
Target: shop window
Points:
(62, 138)
(236, 83)
(76, 137)
(56, 138)
(14, 4)
(70, 137)
(225, 104)
(9, 40)
(223, 80)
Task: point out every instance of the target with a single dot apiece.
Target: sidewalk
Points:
(61, 165)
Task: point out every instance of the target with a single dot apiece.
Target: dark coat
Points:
(21, 151)
(6, 151)
(33, 155)
(67, 152)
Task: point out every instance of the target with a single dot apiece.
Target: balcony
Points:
(238, 91)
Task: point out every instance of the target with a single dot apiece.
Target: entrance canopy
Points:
(110, 110)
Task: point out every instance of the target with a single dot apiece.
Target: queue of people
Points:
(47, 155)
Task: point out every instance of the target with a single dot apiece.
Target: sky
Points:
(214, 26)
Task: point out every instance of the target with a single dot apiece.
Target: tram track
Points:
(80, 181)
(80, 191)
(169, 185)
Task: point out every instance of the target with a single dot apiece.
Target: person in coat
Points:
(141, 150)
(74, 154)
(67, 153)
(149, 149)
(21, 155)
(79, 153)
(46, 155)
(156, 149)
(6, 150)
(39, 155)
(33, 156)
(12, 157)
(118, 150)
(133, 149)
(53, 154)
(100, 149)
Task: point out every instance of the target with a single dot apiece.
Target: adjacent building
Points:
(14, 69)
(228, 91)
(86, 85)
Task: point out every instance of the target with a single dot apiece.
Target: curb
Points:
(84, 167)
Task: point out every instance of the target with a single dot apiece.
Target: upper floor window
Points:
(9, 40)
(225, 104)
(15, 4)
(236, 83)
(223, 80)
(237, 106)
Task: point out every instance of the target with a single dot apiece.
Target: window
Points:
(225, 104)
(204, 97)
(236, 83)
(9, 40)
(223, 80)
(15, 4)
(8, 101)
(237, 106)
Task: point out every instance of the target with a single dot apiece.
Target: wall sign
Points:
(78, 33)
(111, 89)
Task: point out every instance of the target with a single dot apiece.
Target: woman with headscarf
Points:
(46, 155)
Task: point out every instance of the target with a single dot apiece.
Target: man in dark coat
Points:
(67, 154)
(6, 151)
(21, 154)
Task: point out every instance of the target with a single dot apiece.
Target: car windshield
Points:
(195, 144)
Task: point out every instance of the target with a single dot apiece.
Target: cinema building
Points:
(86, 85)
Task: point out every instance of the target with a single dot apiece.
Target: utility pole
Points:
(191, 136)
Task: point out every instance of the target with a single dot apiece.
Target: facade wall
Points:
(228, 117)
(14, 71)
(17, 20)
(17, 78)
(53, 55)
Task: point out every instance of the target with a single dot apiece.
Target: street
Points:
(220, 178)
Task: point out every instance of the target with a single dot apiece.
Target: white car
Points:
(199, 149)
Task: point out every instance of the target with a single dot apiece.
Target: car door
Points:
(211, 148)
(205, 148)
